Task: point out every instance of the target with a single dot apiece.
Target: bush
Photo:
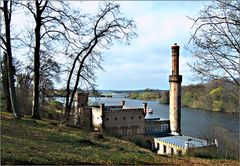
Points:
(51, 114)
(205, 152)
(217, 105)
(140, 141)
(56, 104)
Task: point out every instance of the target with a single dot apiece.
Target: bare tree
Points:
(49, 72)
(50, 26)
(37, 11)
(216, 41)
(81, 37)
(6, 40)
(105, 28)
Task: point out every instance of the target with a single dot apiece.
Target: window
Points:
(164, 149)
(115, 118)
(140, 117)
(132, 117)
(172, 151)
(124, 118)
(107, 119)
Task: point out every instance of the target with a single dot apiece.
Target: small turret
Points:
(122, 103)
(145, 108)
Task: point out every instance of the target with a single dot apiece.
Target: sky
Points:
(146, 63)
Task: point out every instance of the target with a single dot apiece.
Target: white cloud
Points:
(147, 62)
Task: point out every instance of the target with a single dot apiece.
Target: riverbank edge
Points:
(196, 108)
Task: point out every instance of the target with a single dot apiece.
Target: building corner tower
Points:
(175, 93)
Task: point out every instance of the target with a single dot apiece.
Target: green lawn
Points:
(30, 141)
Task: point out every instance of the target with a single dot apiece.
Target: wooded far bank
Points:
(217, 95)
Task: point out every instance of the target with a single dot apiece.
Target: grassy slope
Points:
(41, 142)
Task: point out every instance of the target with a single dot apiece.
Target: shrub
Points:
(56, 104)
(217, 105)
(139, 141)
(205, 152)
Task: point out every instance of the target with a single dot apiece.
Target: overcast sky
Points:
(146, 63)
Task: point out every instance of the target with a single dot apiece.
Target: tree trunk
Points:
(35, 100)
(6, 101)
(69, 106)
(12, 92)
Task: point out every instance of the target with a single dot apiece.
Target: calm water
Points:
(194, 122)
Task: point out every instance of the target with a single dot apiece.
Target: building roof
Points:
(156, 119)
(183, 141)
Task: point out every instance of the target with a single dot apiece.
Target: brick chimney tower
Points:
(175, 93)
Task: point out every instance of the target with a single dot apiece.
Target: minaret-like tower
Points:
(175, 93)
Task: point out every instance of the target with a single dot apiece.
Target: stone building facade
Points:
(118, 119)
(82, 116)
(156, 125)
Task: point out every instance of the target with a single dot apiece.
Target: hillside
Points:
(30, 141)
(215, 95)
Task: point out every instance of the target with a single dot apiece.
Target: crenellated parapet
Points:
(117, 110)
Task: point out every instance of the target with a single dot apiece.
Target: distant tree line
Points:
(151, 94)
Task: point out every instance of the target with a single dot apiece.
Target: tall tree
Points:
(49, 73)
(52, 21)
(107, 27)
(216, 41)
(79, 36)
(40, 7)
(6, 40)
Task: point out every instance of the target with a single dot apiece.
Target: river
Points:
(196, 123)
